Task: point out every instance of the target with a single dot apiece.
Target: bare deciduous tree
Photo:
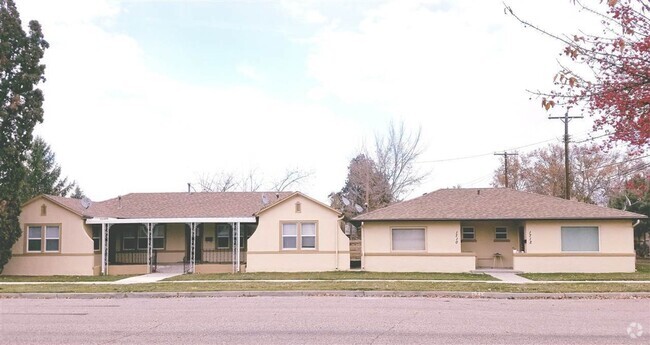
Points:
(595, 175)
(251, 182)
(217, 182)
(290, 178)
(395, 156)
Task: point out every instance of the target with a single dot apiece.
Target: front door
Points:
(522, 240)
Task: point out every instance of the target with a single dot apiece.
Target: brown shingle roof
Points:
(174, 205)
(492, 203)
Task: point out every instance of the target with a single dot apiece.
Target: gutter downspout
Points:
(363, 248)
(336, 235)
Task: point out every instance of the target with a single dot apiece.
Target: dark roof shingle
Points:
(175, 205)
(491, 203)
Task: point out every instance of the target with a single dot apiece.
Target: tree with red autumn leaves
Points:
(607, 75)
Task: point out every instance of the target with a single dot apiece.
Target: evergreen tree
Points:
(43, 173)
(78, 193)
(21, 108)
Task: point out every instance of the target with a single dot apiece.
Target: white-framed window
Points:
(129, 239)
(43, 238)
(308, 235)
(97, 237)
(159, 236)
(136, 238)
(34, 238)
(580, 239)
(469, 233)
(52, 238)
(142, 237)
(501, 233)
(408, 239)
(223, 236)
(290, 236)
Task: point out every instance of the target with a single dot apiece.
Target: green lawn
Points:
(333, 276)
(642, 273)
(323, 286)
(61, 278)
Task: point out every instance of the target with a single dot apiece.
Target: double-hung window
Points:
(408, 239)
(501, 233)
(290, 236)
(43, 238)
(580, 239)
(299, 235)
(223, 236)
(136, 238)
(469, 234)
(97, 237)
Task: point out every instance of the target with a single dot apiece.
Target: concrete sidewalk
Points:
(509, 277)
(147, 278)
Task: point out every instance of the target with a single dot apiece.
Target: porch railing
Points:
(131, 257)
(221, 256)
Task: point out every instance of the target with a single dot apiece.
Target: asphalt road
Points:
(321, 320)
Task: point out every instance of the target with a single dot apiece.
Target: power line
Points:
(484, 154)
(505, 155)
(566, 118)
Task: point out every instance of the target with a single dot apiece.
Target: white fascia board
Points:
(170, 220)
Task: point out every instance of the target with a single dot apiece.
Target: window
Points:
(408, 239)
(136, 237)
(97, 237)
(43, 238)
(501, 233)
(129, 239)
(52, 238)
(580, 239)
(290, 236)
(308, 235)
(223, 236)
(34, 238)
(469, 234)
(159, 236)
(299, 235)
(142, 237)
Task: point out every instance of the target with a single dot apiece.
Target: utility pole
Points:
(566, 118)
(505, 161)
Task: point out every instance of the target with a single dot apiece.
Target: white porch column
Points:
(150, 227)
(192, 247)
(238, 248)
(105, 240)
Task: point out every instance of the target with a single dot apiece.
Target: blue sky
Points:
(145, 96)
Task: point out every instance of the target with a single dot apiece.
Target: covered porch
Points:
(198, 245)
(494, 243)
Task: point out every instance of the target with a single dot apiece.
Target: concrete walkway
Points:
(147, 278)
(509, 277)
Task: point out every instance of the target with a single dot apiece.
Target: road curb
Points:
(333, 293)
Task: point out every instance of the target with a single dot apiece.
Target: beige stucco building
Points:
(198, 232)
(460, 230)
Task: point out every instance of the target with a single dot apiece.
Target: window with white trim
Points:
(501, 233)
(129, 239)
(299, 235)
(308, 235)
(580, 239)
(136, 238)
(408, 239)
(289, 236)
(34, 238)
(97, 237)
(469, 233)
(43, 238)
(52, 238)
(223, 236)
